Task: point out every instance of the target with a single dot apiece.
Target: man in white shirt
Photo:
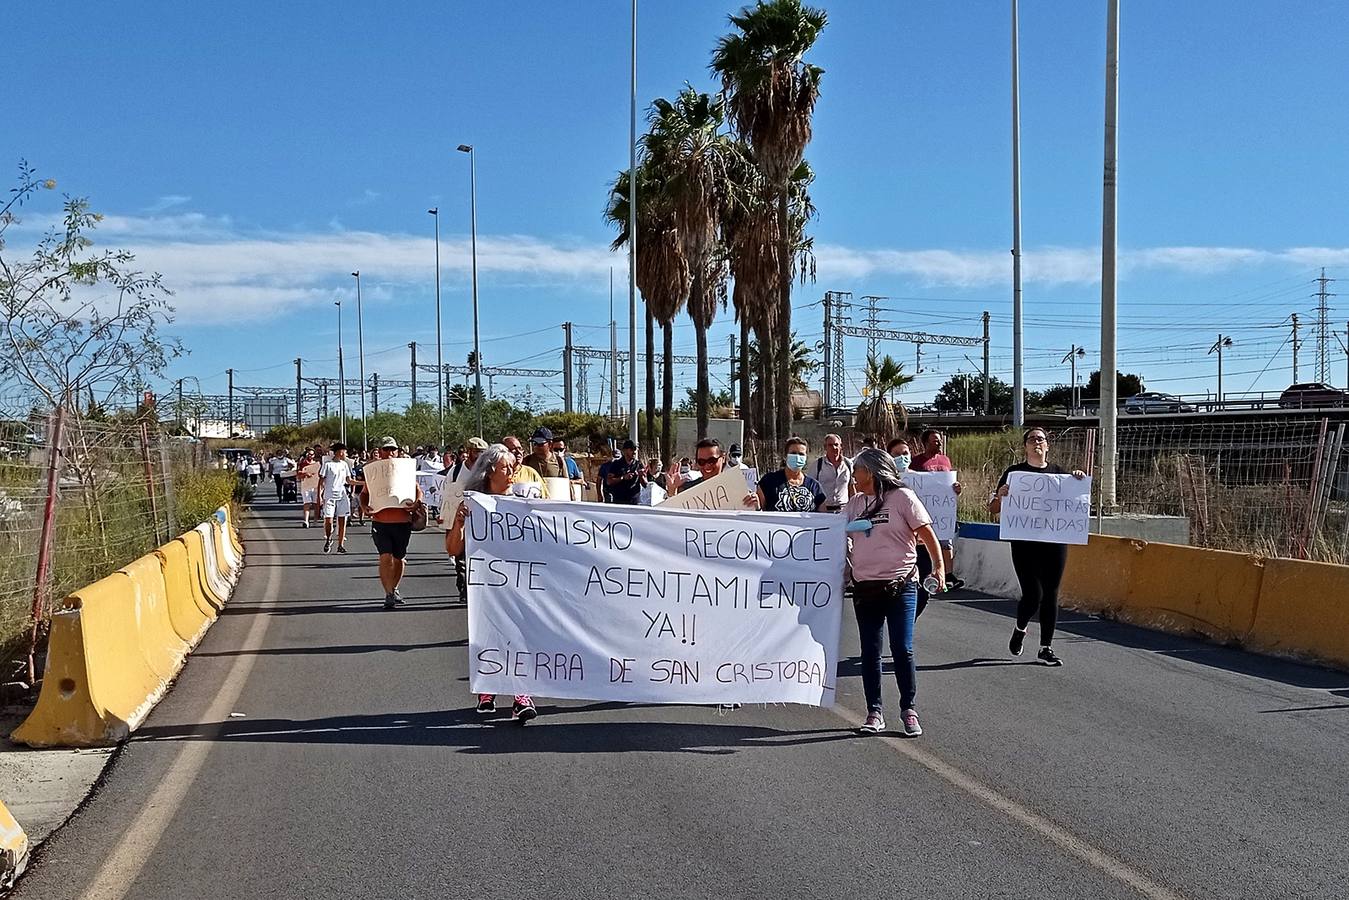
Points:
(278, 466)
(334, 476)
(834, 473)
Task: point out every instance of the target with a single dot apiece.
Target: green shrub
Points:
(198, 493)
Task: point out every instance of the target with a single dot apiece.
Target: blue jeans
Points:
(878, 604)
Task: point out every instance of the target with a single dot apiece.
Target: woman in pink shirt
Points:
(885, 522)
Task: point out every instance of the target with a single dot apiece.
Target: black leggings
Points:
(1039, 568)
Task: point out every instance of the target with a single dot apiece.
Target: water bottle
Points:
(931, 584)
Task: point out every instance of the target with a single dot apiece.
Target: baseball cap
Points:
(734, 450)
(388, 444)
(476, 443)
(542, 436)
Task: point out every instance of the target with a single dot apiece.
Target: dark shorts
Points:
(391, 537)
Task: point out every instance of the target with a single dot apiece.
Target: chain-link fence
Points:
(1272, 488)
(78, 500)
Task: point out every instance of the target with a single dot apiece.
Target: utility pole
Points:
(828, 361)
(1018, 377)
(966, 376)
(1322, 329)
(988, 406)
(229, 426)
(374, 391)
(360, 356)
(341, 379)
(873, 322)
(1218, 346)
(299, 392)
(566, 368)
(1109, 401)
(613, 352)
(413, 347)
(732, 372)
(632, 244)
(1297, 345)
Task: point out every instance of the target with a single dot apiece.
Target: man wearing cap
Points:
(573, 468)
(459, 472)
(542, 459)
(391, 529)
(735, 457)
(626, 476)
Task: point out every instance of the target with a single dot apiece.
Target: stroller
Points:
(290, 493)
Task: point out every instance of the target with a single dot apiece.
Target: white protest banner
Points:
(557, 489)
(648, 604)
(937, 491)
(1055, 509)
(391, 482)
(432, 485)
(725, 491)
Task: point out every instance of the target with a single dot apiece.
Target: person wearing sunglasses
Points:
(707, 463)
(1039, 565)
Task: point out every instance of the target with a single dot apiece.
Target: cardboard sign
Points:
(432, 485)
(391, 482)
(309, 477)
(725, 491)
(557, 489)
(652, 605)
(1053, 509)
(937, 492)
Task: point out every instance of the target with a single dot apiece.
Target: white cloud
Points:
(168, 201)
(222, 272)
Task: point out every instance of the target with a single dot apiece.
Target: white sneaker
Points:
(911, 726)
(874, 724)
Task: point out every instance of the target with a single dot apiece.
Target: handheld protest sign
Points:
(937, 492)
(1052, 509)
(391, 483)
(725, 491)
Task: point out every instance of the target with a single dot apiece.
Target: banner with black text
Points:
(645, 604)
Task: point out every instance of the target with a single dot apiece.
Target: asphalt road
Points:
(1147, 766)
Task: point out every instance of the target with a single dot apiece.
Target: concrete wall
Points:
(1285, 607)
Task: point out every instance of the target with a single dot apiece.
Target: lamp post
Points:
(1218, 347)
(341, 379)
(360, 353)
(440, 350)
(1018, 372)
(632, 243)
(473, 232)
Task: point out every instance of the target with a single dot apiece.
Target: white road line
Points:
(123, 866)
(1056, 834)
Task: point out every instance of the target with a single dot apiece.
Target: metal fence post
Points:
(149, 480)
(170, 500)
(43, 579)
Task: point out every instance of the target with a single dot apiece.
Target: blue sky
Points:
(256, 154)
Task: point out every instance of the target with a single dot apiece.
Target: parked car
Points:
(1156, 402)
(1312, 393)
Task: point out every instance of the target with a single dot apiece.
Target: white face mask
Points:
(683, 470)
(796, 461)
(902, 462)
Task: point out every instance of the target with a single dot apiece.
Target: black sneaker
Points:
(390, 602)
(523, 712)
(341, 548)
(954, 584)
(1049, 657)
(397, 598)
(1014, 645)
(486, 704)
(328, 545)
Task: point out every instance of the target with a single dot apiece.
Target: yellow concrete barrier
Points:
(1184, 590)
(13, 849)
(1098, 574)
(162, 646)
(220, 585)
(224, 515)
(189, 611)
(97, 685)
(196, 554)
(1303, 611)
(228, 570)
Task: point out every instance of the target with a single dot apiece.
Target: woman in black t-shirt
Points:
(1039, 565)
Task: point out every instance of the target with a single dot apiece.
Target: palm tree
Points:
(662, 271)
(876, 415)
(691, 154)
(771, 92)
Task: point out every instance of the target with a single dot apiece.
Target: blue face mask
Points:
(902, 462)
(796, 461)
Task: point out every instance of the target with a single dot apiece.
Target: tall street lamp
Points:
(440, 349)
(360, 352)
(341, 379)
(473, 211)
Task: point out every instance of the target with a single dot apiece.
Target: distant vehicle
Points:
(1156, 402)
(1312, 393)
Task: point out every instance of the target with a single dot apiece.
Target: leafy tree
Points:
(951, 395)
(721, 400)
(877, 414)
(1125, 385)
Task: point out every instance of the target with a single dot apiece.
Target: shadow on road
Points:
(555, 731)
(339, 650)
